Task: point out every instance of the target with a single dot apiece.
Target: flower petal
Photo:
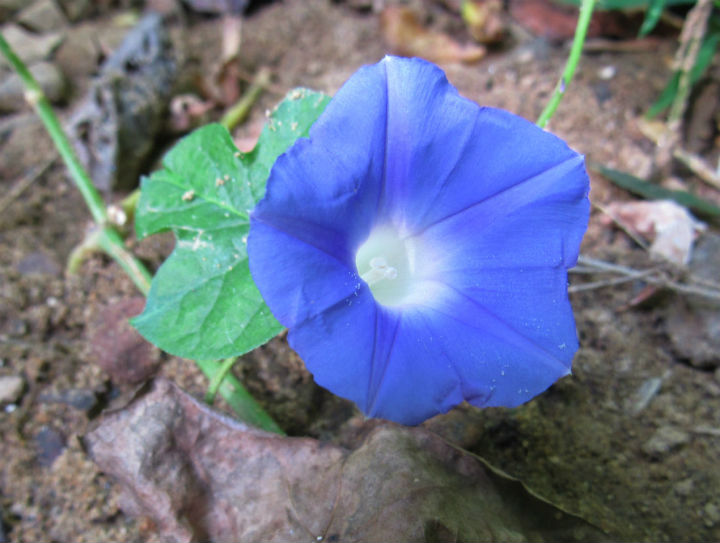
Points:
(389, 363)
(320, 203)
(480, 214)
(539, 222)
(444, 153)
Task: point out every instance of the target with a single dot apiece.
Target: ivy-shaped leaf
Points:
(203, 303)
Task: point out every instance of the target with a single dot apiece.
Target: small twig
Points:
(586, 9)
(624, 227)
(690, 40)
(636, 45)
(646, 275)
(607, 282)
(18, 188)
(654, 130)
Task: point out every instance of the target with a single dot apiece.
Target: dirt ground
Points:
(630, 442)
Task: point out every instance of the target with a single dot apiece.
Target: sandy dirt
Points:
(629, 442)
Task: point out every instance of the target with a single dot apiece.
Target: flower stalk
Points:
(586, 10)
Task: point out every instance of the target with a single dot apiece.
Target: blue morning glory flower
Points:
(416, 246)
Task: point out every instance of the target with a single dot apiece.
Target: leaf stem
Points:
(247, 408)
(110, 241)
(586, 10)
(225, 367)
(237, 113)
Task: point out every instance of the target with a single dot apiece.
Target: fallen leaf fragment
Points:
(201, 476)
(670, 226)
(484, 20)
(557, 20)
(117, 347)
(407, 37)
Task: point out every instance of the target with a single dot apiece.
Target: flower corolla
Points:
(416, 246)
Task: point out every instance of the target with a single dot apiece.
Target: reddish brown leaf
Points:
(407, 37)
(201, 476)
(557, 22)
(117, 347)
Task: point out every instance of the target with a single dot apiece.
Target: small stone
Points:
(9, 7)
(50, 444)
(695, 333)
(76, 9)
(11, 388)
(607, 72)
(685, 487)
(79, 398)
(712, 514)
(24, 139)
(664, 440)
(42, 16)
(38, 263)
(30, 47)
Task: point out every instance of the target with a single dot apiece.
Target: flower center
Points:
(387, 264)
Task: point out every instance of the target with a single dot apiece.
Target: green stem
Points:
(110, 241)
(225, 367)
(237, 396)
(36, 98)
(237, 113)
(586, 9)
(130, 202)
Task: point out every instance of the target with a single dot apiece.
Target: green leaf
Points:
(608, 5)
(651, 191)
(705, 56)
(654, 11)
(203, 303)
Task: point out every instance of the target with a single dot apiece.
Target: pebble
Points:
(664, 440)
(49, 444)
(685, 487)
(38, 262)
(11, 388)
(49, 77)
(9, 7)
(712, 514)
(607, 72)
(644, 395)
(30, 47)
(79, 398)
(42, 16)
(76, 9)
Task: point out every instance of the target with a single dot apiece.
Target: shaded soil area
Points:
(629, 442)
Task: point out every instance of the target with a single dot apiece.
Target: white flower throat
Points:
(386, 262)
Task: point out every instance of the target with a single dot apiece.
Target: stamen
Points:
(378, 271)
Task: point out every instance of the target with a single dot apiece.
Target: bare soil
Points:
(629, 442)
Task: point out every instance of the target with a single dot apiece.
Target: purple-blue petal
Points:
(500, 207)
(391, 364)
(320, 202)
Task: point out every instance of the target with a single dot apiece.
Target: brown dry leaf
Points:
(669, 225)
(201, 476)
(485, 20)
(117, 347)
(407, 37)
(557, 21)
